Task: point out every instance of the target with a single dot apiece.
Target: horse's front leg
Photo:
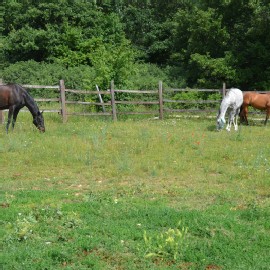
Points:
(230, 121)
(267, 115)
(10, 114)
(245, 112)
(228, 128)
(235, 123)
(15, 114)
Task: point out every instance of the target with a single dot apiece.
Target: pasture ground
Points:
(135, 194)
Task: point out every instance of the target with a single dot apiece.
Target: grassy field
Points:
(135, 194)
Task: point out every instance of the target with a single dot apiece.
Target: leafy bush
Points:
(145, 77)
(190, 99)
(31, 72)
(209, 72)
(136, 76)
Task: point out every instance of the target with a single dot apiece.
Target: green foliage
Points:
(197, 43)
(207, 26)
(2, 63)
(191, 100)
(208, 72)
(141, 76)
(81, 35)
(145, 77)
(26, 43)
(217, 41)
(168, 245)
(30, 225)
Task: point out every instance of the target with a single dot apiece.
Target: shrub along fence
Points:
(115, 102)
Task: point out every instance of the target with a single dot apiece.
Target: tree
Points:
(70, 33)
(2, 8)
(199, 41)
(253, 55)
(200, 45)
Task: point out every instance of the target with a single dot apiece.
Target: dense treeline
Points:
(195, 43)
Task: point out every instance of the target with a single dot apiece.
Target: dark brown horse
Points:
(14, 97)
(257, 101)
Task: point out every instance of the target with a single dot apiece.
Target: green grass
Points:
(93, 194)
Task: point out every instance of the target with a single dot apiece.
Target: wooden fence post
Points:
(100, 99)
(160, 100)
(2, 115)
(113, 102)
(223, 90)
(63, 100)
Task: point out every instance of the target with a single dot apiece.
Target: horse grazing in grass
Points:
(232, 101)
(257, 101)
(14, 97)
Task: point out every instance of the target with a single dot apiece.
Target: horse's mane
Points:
(28, 99)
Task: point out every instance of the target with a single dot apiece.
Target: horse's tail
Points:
(241, 109)
(241, 114)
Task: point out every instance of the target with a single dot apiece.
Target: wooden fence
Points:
(113, 103)
(65, 98)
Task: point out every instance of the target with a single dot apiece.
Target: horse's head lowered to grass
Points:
(232, 101)
(220, 123)
(38, 121)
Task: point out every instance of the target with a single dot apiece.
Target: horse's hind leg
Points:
(235, 123)
(235, 119)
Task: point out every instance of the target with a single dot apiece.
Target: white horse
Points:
(232, 101)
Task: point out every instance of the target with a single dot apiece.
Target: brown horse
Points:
(14, 97)
(257, 101)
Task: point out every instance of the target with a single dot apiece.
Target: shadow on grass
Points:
(212, 128)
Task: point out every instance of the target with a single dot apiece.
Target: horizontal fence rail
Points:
(194, 90)
(191, 101)
(157, 102)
